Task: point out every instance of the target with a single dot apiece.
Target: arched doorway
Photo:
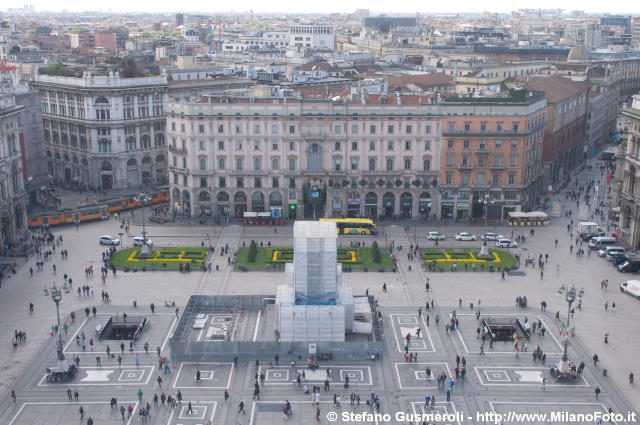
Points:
(160, 169)
(371, 205)
(389, 204)
(146, 170)
(353, 204)
(240, 204)
(132, 171)
(175, 198)
(186, 203)
(275, 204)
(424, 205)
(406, 204)
(222, 204)
(204, 202)
(257, 202)
(106, 175)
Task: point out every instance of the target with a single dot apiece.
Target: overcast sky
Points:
(329, 6)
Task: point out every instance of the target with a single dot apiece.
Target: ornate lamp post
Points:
(56, 296)
(570, 296)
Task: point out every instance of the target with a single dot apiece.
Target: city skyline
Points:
(332, 6)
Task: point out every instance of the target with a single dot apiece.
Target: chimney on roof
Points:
(398, 99)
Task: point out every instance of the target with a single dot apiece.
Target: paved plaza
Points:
(494, 381)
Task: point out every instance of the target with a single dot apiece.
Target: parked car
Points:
(108, 240)
(464, 236)
(506, 243)
(629, 266)
(631, 287)
(435, 236)
(139, 241)
(618, 259)
(587, 236)
(492, 236)
(610, 250)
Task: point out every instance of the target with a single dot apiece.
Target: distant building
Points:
(383, 24)
(313, 36)
(107, 132)
(179, 19)
(108, 40)
(12, 194)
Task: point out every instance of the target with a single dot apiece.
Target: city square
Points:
(495, 381)
(261, 214)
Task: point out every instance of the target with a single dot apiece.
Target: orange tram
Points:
(100, 211)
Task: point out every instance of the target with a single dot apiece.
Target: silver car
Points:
(108, 240)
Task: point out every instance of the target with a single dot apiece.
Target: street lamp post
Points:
(56, 296)
(570, 296)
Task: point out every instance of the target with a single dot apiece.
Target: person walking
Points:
(140, 395)
(544, 383)
(241, 407)
(597, 392)
(189, 408)
(226, 395)
(81, 411)
(13, 392)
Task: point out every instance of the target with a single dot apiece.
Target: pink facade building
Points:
(367, 156)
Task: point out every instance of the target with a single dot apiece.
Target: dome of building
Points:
(578, 54)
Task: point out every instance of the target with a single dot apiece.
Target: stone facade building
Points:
(377, 156)
(629, 196)
(491, 152)
(104, 131)
(12, 194)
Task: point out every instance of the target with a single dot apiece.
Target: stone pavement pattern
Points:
(495, 382)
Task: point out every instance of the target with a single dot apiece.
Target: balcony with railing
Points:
(465, 166)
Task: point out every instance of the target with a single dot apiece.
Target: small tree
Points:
(375, 252)
(253, 252)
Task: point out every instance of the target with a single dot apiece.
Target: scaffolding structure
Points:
(313, 305)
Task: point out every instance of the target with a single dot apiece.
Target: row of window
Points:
(275, 164)
(337, 146)
(481, 160)
(483, 127)
(318, 130)
(466, 144)
(480, 179)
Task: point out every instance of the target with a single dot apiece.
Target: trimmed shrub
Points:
(253, 252)
(375, 252)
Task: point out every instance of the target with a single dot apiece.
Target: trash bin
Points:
(604, 372)
(135, 304)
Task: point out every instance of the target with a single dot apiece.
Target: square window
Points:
(450, 143)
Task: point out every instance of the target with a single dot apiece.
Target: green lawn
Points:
(265, 255)
(468, 256)
(162, 258)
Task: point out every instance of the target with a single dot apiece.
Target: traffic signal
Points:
(292, 207)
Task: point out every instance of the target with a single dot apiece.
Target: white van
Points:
(631, 287)
(602, 242)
